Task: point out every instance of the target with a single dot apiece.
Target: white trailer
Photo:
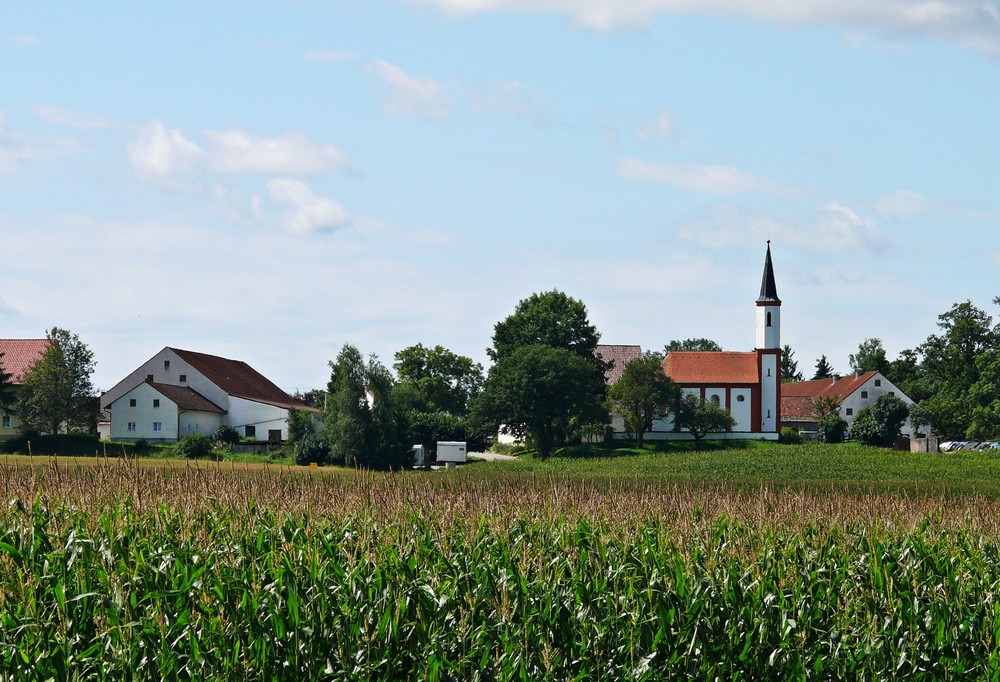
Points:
(450, 452)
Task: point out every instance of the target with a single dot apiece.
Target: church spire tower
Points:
(768, 308)
(769, 348)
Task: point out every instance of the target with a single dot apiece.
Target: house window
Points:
(184, 378)
(166, 364)
(156, 402)
(878, 382)
(864, 394)
(850, 411)
(250, 431)
(6, 421)
(157, 426)
(274, 435)
(149, 378)
(892, 393)
(131, 426)
(131, 402)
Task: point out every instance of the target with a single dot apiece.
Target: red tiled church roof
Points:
(237, 378)
(707, 367)
(796, 407)
(619, 356)
(20, 355)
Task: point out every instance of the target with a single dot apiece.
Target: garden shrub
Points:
(194, 446)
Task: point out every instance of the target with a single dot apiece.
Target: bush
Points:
(226, 435)
(65, 444)
(789, 436)
(879, 423)
(311, 449)
(831, 428)
(194, 446)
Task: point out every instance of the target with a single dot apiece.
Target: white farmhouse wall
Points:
(157, 367)
(197, 422)
(144, 415)
(866, 394)
(261, 416)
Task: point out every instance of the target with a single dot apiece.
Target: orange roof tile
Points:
(820, 388)
(697, 367)
(619, 356)
(20, 355)
(187, 398)
(796, 407)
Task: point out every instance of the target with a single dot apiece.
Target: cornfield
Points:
(117, 571)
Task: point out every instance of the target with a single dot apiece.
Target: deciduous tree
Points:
(550, 318)
(699, 344)
(701, 417)
(869, 358)
(879, 423)
(643, 393)
(57, 392)
(537, 391)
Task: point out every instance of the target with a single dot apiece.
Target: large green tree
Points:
(541, 391)
(442, 381)
(363, 425)
(57, 393)
(789, 366)
(643, 393)
(951, 369)
(699, 344)
(700, 417)
(549, 318)
(870, 357)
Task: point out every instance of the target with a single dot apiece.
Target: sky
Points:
(268, 181)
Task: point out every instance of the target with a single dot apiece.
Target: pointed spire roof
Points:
(768, 289)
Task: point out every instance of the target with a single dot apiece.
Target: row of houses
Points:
(179, 392)
(173, 394)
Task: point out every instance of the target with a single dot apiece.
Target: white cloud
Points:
(307, 213)
(159, 153)
(18, 149)
(903, 204)
(834, 228)
(662, 125)
(71, 119)
(236, 151)
(715, 179)
(411, 95)
(974, 24)
(26, 39)
(514, 98)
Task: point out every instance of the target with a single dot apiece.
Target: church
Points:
(747, 384)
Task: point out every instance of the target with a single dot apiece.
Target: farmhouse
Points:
(179, 392)
(747, 384)
(852, 393)
(18, 357)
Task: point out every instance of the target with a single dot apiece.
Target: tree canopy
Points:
(789, 367)
(443, 381)
(57, 392)
(701, 417)
(549, 318)
(643, 393)
(823, 368)
(540, 391)
(869, 358)
(879, 423)
(699, 344)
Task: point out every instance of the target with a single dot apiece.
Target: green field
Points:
(765, 562)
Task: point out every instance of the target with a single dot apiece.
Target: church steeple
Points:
(768, 289)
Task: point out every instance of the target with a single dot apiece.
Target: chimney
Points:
(835, 378)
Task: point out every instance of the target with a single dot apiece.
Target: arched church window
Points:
(769, 319)
(715, 400)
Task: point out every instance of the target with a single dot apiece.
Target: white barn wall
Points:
(262, 416)
(144, 415)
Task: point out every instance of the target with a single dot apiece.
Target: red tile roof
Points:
(20, 355)
(238, 379)
(187, 398)
(819, 388)
(619, 356)
(706, 367)
(796, 408)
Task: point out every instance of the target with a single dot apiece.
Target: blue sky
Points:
(270, 181)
